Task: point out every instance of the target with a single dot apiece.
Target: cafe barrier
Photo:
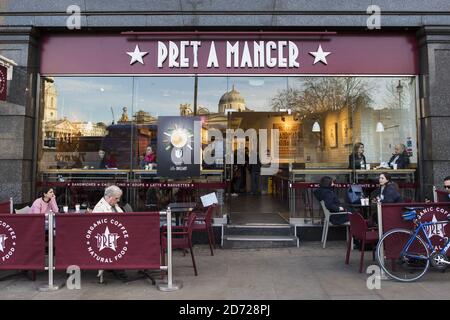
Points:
(22, 242)
(390, 217)
(108, 241)
(90, 241)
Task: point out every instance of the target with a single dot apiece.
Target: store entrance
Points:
(253, 198)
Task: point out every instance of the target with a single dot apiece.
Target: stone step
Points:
(255, 241)
(260, 229)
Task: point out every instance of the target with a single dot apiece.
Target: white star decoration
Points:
(320, 55)
(2, 242)
(107, 240)
(137, 55)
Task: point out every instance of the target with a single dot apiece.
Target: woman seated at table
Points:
(357, 160)
(326, 194)
(387, 192)
(45, 203)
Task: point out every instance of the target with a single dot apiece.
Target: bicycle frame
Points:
(430, 245)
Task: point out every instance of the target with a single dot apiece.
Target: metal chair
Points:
(326, 223)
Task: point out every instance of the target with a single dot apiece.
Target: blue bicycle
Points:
(406, 255)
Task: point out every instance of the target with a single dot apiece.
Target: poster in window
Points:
(332, 135)
(177, 144)
(346, 132)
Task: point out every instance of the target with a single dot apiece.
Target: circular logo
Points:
(107, 240)
(436, 232)
(179, 138)
(2, 79)
(7, 241)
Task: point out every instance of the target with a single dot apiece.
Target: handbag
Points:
(354, 193)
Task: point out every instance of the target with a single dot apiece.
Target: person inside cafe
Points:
(357, 159)
(255, 172)
(326, 193)
(149, 158)
(101, 159)
(45, 203)
(388, 191)
(400, 157)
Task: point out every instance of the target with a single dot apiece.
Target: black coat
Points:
(402, 161)
(390, 194)
(328, 196)
(353, 158)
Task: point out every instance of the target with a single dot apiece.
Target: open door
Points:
(250, 197)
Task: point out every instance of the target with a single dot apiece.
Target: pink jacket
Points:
(150, 158)
(40, 206)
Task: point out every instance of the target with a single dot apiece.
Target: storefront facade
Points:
(278, 65)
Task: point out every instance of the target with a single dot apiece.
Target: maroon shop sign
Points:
(22, 241)
(108, 241)
(203, 53)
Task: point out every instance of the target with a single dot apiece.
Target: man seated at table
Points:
(326, 194)
(109, 203)
(399, 159)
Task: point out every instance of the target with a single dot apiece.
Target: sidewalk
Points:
(308, 272)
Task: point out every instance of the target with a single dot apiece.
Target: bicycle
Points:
(404, 255)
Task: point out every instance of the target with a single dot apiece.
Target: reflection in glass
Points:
(110, 122)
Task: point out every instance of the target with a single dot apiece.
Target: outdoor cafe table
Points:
(179, 208)
(367, 211)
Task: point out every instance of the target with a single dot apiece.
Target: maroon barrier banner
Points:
(108, 240)
(22, 241)
(428, 212)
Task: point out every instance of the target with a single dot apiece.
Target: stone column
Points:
(434, 117)
(17, 116)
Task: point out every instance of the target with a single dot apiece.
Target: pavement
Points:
(307, 272)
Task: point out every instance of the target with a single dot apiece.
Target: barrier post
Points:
(380, 234)
(435, 196)
(50, 286)
(170, 285)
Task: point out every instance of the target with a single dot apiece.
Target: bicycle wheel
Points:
(403, 263)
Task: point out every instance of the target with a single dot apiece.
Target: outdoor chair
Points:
(25, 209)
(181, 239)
(326, 222)
(361, 232)
(203, 223)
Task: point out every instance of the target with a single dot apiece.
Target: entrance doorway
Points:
(252, 198)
